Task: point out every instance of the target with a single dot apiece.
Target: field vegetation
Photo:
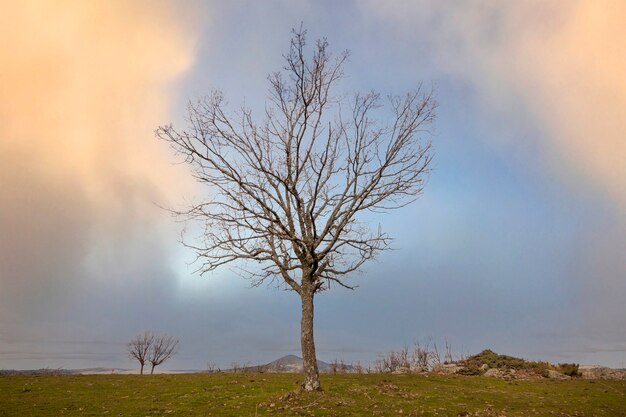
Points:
(274, 394)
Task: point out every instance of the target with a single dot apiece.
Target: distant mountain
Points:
(291, 363)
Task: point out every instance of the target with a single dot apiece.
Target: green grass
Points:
(277, 395)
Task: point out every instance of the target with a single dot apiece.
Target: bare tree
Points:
(139, 348)
(288, 193)
(339, 366)
(423, 356)
(163, 347)
(448, 357)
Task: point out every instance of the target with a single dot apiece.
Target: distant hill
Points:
(41, 371)
(91, 371)
(287, 364)
(291, 363)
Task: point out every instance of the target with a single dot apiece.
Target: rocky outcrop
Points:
(447, 368)
(495, 373)
(601, 372)
(552, 374)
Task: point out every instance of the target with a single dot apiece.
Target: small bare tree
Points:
(139, 348)
(423, 356)
(339, 366)
(163, 347)
(448, 357)
(288, 192)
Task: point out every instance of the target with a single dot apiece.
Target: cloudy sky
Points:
(518, 244)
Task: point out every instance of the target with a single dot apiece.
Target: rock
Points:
(447, 368)
(601, 372)
(419, 369)
(484, 367)
(499, 373)
(494, 373)
(402, 370)
(552, 374)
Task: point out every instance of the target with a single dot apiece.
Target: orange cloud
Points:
(576, 80)
(83, 86)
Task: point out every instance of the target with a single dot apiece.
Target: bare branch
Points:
(288, 192)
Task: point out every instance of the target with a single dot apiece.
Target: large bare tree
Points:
(288, 193)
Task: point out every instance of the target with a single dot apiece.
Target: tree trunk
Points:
(311, 373)
(141, 370)
(152, 370)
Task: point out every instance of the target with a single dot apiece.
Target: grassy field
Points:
(277, 395)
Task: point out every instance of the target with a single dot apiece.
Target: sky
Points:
(517, 244)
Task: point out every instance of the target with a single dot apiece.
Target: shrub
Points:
(469, 371)
(569, 369)
(495, 360)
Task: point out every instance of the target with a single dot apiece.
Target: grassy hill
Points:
(266, 394)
